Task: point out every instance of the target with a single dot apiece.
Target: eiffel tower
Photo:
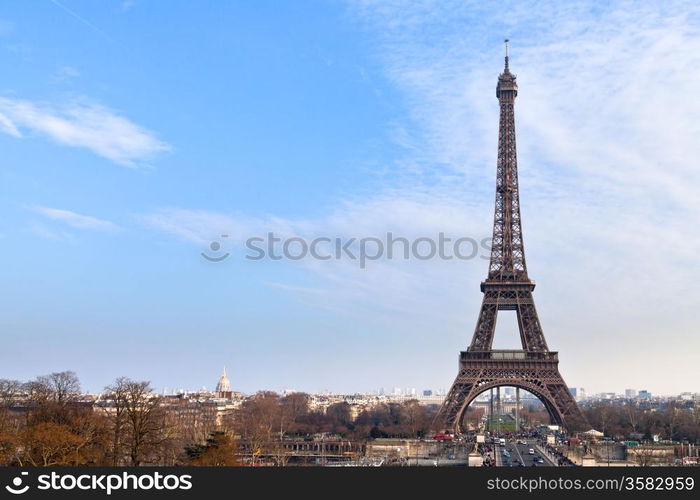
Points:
(508, 288)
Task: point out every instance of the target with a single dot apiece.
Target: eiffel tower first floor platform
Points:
(534, 371)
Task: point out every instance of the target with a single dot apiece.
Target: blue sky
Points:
(135, 133)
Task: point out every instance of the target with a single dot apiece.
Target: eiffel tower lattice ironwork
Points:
(508, 287)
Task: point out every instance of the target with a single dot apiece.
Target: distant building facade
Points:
(578, 393)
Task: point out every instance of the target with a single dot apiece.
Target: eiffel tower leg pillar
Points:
(517, 409)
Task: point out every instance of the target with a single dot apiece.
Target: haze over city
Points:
(132, 140)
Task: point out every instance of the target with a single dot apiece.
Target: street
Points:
(519, 454)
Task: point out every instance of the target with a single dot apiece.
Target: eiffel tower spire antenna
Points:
(508, 287)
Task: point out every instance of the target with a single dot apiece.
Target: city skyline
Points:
(123, 166)
(397, 390)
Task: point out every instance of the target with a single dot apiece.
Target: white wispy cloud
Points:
(51, 233)
(85, 125)
(386, 286)
(65, 74)
(79, 18)
(73, 219)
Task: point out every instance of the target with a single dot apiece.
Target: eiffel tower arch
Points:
(507, 287)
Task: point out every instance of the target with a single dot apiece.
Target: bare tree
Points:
(293, 408)
(220, 450)
(9, 425)
(47, 444)
(9, 389)
(413, 417)
(115, 406)
(672, 420)
(144, 420)
(633, 415)
(138, 427)
(258, 419)
(643, 455)
(59, 387)
(53, 398)
(65, 386)
(473, 417)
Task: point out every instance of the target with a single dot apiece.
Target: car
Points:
(442, 437)
(531, 451)
(539, 460)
